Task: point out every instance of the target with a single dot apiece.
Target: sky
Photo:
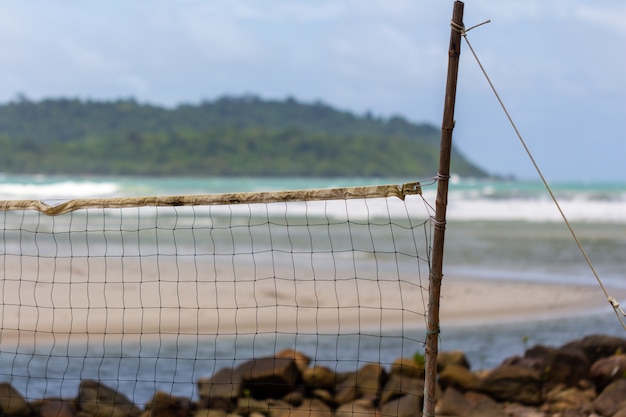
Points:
(559, 66)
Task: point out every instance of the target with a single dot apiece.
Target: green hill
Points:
(230, 136)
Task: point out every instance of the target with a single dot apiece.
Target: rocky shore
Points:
(583, 378)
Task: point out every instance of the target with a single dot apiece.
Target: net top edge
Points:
(314, 194)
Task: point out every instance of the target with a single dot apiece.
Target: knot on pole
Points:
(460, 28)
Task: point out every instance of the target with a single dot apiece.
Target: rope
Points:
(612, 301)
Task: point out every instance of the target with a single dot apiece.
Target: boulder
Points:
(599, 346)
(302, 361)
(458, 377)
(470, 404)
(12, 403)
(606, 370)
(513, 383)
(455, 357)
(566, 365)
(310, 408)
(319, 377)
(569, 399)
(399, 386)
(203, 412)
(406, 406)
(221, 391)
(357, 408)
(612, 399)
(407, 367)
(164, 404)
(365, 383)
(97, 400)
(268, 377)
(519, 410)
(55, 407)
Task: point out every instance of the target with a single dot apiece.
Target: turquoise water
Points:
(498, 230)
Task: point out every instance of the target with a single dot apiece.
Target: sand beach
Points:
(93, 296)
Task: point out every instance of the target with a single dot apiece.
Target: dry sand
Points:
(40, 300)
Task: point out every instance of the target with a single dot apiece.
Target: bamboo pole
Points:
(436, 274)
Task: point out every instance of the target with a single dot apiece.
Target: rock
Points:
(269, 377)
(621, 412)
(319, 377)
(310, 408)
(366, 382)
(399, 386)
(612, 399)
(407, 367)
(606, 370)
(357, 408)
(302, 361)
(346, 390)
(407, 406)
(12, 403)
(599, 346)
(562, 398)
(458, 377)
(513, 383)
(518, 410)
(97, 400)
(455, 357)
(55, 407)
(164, 404)
(566, 365)
(221, 391)
(472, 404)
(248, 405)
(218, 413)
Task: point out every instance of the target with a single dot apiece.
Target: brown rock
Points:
(606, 370)
(599, 346)
(612, 399)
(518, 410)
(566, 365)
(12, 402)
(407, 406)
(366, 382)
(369, 380)
(309, 408)
(55, 407)
(513, 383)
(319, 377)
(97, 400)
(621, 412)
(221, 391)
(247, 405)
(269, 377)
(164, 404)
(346, 389)
(302, 360)
(472, 404)
(563, 398)
(398, 386)
(455, 357)
(357, 408)
(458, 377)
(407, 367)
(219, 413)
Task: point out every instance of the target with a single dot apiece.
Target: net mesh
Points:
(152, 297)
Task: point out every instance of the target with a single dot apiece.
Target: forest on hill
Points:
(231, 136)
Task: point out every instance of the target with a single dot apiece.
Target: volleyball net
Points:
(158, 294)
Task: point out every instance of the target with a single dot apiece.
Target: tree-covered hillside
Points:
(229, 136)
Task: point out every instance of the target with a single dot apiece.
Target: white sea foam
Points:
(66, 189)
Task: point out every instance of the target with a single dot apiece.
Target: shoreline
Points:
(164, 308)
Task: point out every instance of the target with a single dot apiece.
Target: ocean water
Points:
(501, 230)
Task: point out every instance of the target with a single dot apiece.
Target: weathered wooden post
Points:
(436, 273)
